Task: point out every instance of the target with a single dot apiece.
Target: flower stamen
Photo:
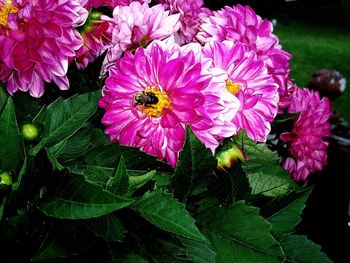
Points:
(232, 87)
(5, 10)
(160, 102)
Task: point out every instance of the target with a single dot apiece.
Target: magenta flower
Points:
(286, 89)
(38, 39)
(110, 3)
(96, 40)
(150, 96)
(220, 106)
(305, 141)
(246, 77)
(191, 15)
(242, 24)
(137, 25)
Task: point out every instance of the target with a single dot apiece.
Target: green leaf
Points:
(198, 252)
(231, 184)
(61, 243)
(78, 199)
(239, 234)
(108, 227)
(281, 118)
(74, 146)
(269, 181)
(100, 175)
(62, 118)
(11, 150)
(3, 97)
(119, 183)
(21, 173)
(26, 106)
(133, 258)
(53, 160)
(108, 155)
(228, 251)
(240, 185)
(55, 149)
(299, 249)
(286, 211)
(93, 173)
(162, 180)
(98, 164)
(2, 206)
(265, 174)
(196, 162)
(103, 155)
(136, 182)
(167, 248)
(164, 211)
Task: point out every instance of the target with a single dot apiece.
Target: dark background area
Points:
(326, 217)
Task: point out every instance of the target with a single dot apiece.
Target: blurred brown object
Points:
(328, 82)
(331, 83)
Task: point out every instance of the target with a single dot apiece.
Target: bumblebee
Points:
(145, 98)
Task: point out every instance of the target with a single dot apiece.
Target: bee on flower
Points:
(150, 96)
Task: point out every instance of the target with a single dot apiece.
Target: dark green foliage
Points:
(76, 197)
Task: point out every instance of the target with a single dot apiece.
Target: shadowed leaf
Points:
(11, 150)
(239, 234)
(79, 199)
(196, 162)
(265, 174)
(62, 118)
(165, 212)
(299, 249)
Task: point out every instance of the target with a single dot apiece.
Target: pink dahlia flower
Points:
(242, 24)
(220, 106)
(137, 25)
(38, 39)
(305, 142)
(111, 3)
(150, 96)
(191, 15)
(246, 77)
(286, 89)
(96, 40)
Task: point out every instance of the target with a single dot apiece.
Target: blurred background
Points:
(317, 34)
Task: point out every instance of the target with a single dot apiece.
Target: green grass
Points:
(316, 46)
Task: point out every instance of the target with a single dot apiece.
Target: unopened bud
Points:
(30, 132)
(228, 156)
(5, 178)
(95, 15)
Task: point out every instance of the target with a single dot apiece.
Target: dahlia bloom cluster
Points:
(191, 14)
(137, 25)
(242, 24)
(111, 4)
(151, 95)
(96, 40)
(247, 78)
(168, 64)
(306, 140)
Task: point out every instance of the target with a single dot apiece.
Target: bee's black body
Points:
(145, 98)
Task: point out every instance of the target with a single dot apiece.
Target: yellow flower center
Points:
(6, 9)
(232, 87)
(154, 109)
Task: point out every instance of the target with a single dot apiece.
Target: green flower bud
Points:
(95, 15)
(30, 132)
(228, 155)
(5, 178)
